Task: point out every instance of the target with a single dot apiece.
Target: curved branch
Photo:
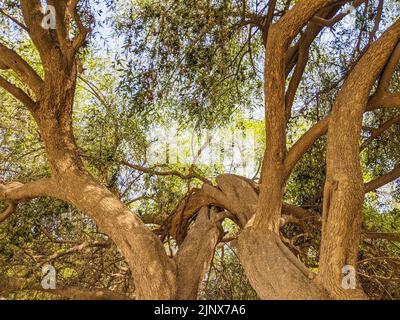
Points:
(11, 209)
(344, 186)
(389, 70)
(192, 174)
(378, 132)
(18, 93)
(298, 55)
(20, 192)
(330, 22)
(304, 144)
(16, 192)
(384, 100)
(9, 285)
(387, 100)
(12, 60)
(384, 180)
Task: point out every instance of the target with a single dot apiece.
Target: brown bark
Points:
(153, 271)
(344, 188)
(379, 131)
(291, 278)
(377, 101)
(259, 244)
(273, 174)
(196, 253)
(383, 180)
(272, 269)
(10, 285)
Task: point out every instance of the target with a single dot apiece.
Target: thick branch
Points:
(344, 187)
(25, 72)
(382, 181)
(378, 132)
(381, 235)
(19, 192)
(280, 36)
(15, 192)
(9, 285)
(18, 93)
(389, 70)
(384, 100)
(32, 13)
(321, 128)
(196, 252)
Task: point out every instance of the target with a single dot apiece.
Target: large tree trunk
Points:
(153, 272)
(196, 253)
(273, 270)
(344, 188)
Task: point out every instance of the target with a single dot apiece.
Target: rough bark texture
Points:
(196, 253)
(274, 272)
(9, 285)
(265, 231)
(273, 174)
(154, 273)
(344, 188)
(281, 276)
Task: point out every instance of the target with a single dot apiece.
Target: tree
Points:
(287, 33)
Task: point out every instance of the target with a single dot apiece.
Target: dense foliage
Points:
(196, 67)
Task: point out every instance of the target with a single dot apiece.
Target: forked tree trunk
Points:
(156, 276)
(153, 271)
(273, 270)
(196, 253)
